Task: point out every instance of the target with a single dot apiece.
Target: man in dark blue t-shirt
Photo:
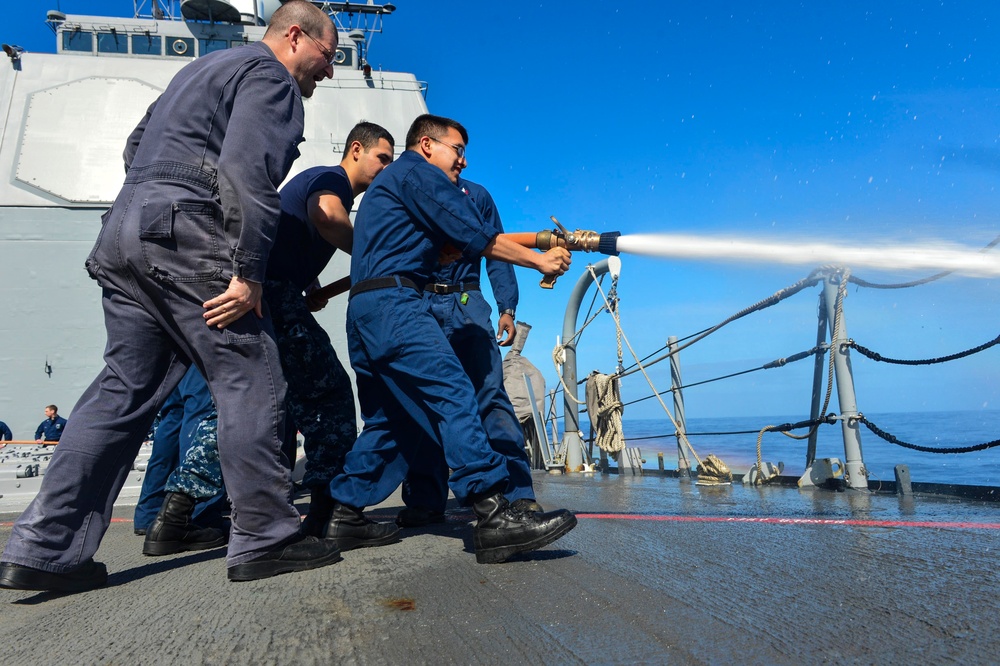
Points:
(315, 222)
(5, 433)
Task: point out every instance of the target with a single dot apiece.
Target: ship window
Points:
(78, 40)
(147, 44)
(111, 42)
(180, 46)
(209, 45)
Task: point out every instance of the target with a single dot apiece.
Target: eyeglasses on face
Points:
(458, 148)
(327, 53)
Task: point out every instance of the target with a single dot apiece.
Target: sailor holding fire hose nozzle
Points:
(408, 376)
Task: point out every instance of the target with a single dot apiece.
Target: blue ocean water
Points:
(932, 429)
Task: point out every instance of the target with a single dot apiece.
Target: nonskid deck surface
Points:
(658, 570)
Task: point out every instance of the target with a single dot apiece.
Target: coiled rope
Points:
(604, 406)
(624, 338)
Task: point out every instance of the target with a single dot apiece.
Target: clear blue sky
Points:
(859, 122)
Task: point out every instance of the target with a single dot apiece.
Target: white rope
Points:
(618, 326)
(604, 406)
(558, 354)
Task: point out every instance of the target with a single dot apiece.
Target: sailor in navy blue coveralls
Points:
(194, 219)
(407, 374)
(51, 429)
(455, 299)
(411, 386)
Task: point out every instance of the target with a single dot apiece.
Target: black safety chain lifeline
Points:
(812, 279)
(875, 356)
(892, 439)
(784, 427)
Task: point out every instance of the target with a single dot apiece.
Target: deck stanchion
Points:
(683, 464)
(572, 443)
(854, 464)
(817, 392)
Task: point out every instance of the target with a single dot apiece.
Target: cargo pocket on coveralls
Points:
(180, 243)
(378, 330)
(94, 268)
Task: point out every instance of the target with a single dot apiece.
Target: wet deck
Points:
(657, 571)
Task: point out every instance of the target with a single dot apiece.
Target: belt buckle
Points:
(440, 288)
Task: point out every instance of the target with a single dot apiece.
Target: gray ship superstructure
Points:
(64, 120)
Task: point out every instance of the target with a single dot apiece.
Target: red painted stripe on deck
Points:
(792, 521)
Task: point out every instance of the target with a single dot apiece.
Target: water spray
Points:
(930, 255)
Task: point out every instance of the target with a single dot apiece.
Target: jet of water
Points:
(929, 255)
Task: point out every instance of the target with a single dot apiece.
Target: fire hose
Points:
(574, 241)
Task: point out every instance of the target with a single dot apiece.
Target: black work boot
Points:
(525, 505)
(350, 529)
(300, 554)
(320, 510)
(503, 530)
(173, 532)
(88, 576)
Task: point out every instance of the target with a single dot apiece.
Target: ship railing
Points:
(831, 335)
(26, 442)
(376, 82)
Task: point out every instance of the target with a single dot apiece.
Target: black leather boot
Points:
(300, 554)
(350, 529)
(320, 510)
(503, 530)
(173, 532)
(525, 505)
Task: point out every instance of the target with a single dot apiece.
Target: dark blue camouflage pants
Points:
(200, 473)
(320, 395)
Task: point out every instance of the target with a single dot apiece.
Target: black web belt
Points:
(446, 288)
(382, 283)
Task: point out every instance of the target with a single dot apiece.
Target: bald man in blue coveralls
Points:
(408, 377)
(455, 298)
(181, 257)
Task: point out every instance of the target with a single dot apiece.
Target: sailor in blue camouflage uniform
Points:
(193, 496)
(180, 257)
(200, 473)
(179, 420)
(315, 222)
(408, 377)
(455, 299)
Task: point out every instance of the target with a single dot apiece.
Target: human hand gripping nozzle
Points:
(574, 241)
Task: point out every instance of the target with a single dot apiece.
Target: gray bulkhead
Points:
(64, 118)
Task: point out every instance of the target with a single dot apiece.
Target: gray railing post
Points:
(572, 443)
(683, 464)
(818, 366)
(854, 464)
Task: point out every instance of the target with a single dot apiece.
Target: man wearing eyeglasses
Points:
(408, 377)
(456, 300)
(181, 257)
